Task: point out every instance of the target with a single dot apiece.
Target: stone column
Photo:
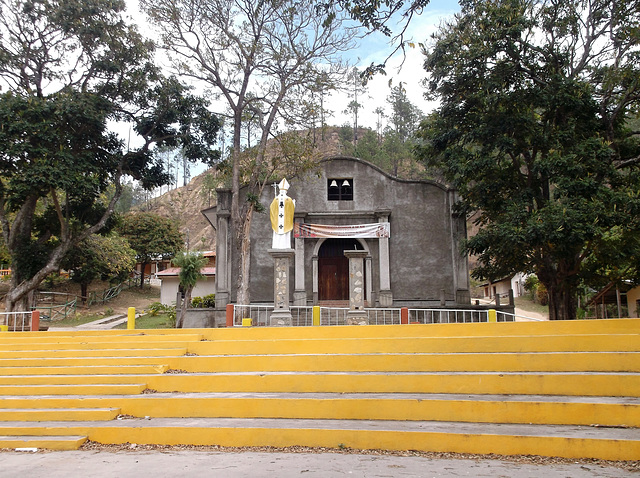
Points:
(300, 291)
(386, 295)
(314, 268)
(369, 281)
(281, 314)
(356, 314)
(223, 264)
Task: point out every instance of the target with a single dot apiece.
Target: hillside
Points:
(184, 205)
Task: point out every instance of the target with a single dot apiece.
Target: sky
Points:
(375, 48)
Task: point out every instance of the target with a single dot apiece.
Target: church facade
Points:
(407, 232)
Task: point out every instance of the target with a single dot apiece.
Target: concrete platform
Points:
(177, 463)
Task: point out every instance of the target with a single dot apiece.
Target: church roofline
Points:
(383, 172)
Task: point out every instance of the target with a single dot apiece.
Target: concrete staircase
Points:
(569, 389)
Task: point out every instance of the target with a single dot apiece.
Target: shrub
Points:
(206, 302)
(158, 308)
(541, 294)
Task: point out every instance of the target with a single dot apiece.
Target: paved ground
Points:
(170, 463)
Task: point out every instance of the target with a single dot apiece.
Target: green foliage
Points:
(375, 15)
(53, 280)
(534, 138)
(190, 264)
(156, 308)
(108, 258)
(71, 69)
(151, 236)
(206, 302)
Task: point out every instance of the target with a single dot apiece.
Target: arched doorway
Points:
(333, 268)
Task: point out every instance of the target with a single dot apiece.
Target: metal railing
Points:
(260, 315)
(447, 316)
(507, 317)
(105, 295)
(53, 309)
(15, 321)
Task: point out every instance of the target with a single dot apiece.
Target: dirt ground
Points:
(134, 297)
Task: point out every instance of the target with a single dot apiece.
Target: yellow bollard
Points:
(493, 315)
(131, 318)
(4, 328)
(316, 315)
(247, 322)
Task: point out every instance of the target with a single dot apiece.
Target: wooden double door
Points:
(333, 268)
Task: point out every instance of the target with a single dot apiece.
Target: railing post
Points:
(492, 315)
(35, 320)
(131, 318)
(316, 315)
(230, 314)
(404, 315)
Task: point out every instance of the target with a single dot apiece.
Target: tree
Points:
(403, 123)
(405, 116)
(356, 89)
(375, 15)
(257, 55)
(100, 257)
(533, 132)
(71, 69)
(152, 236)
(190, 265)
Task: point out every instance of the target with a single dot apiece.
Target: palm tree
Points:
(190, 272)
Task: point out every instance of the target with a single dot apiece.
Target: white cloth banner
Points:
(379, 229)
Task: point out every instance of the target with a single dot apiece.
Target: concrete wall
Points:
(170, 286)
(169, 290)
(424, 253)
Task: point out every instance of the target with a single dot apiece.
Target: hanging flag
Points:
(379, 230)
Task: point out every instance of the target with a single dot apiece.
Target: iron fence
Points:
(15, 321)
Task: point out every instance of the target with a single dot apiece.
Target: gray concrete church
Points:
(407, 230)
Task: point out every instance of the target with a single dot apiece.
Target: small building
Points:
(170, 281)
(408, 231)
(613, 300)
(501, 287)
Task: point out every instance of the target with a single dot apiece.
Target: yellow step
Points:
(462, 362)
(559, 327)
(567, 442)
(61, 443)
(588, 327)
(614, 385)
(472, 362)
(95, 345)
(57, 414)
(142, 337)
(450, 408)
(96, 389)
(568, 343)
(84, 370)
(73, 353)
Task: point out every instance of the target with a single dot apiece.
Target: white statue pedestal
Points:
(356, 315)
(281, 315)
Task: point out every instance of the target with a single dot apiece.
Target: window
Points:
(340, 189)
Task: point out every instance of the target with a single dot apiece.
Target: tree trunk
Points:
(562, 302)
(84, 292)
(142, 268)
(183, 309)
(243, 296)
